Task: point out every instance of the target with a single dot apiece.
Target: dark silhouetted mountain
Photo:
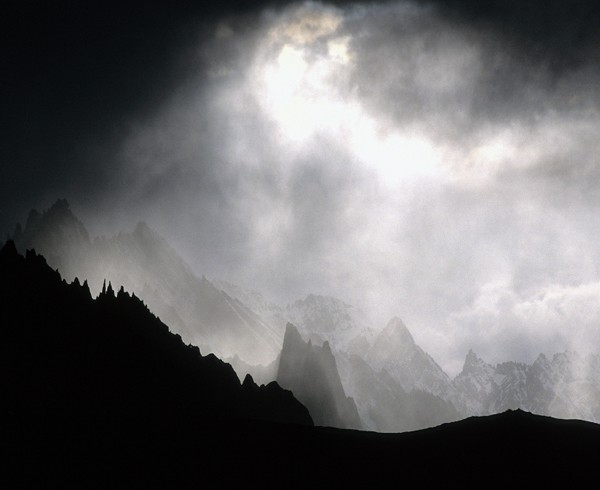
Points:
(58, 235)
(260, 373)
(310, 371)
(109, 361)
(143, 262)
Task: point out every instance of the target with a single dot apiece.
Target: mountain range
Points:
(98, 393)
(393, 383)
(567, 385)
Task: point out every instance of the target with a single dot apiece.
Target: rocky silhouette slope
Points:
(143, 262)
(109, 361)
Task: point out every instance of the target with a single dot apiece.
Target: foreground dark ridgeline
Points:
(69, 355)
(99, 394)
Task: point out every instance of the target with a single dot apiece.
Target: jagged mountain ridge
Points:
(217, 316)
(149, 419)
(325, 318)
(565, 386)
(395, 351)
(396, 366)
(109, 360)
(382, 404)
(143, 261)
(407, 400)
(58, 233)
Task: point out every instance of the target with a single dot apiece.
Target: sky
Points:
(437, 161)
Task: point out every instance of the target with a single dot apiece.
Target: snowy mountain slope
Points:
(395, 351)
(474, 385)
(565, 386)
(331, 320)
(321, 318)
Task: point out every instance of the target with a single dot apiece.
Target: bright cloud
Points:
(387, 155)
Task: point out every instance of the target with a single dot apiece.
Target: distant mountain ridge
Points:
(390, 374)
(566, 386)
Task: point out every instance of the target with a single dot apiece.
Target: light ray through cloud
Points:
(388, 155)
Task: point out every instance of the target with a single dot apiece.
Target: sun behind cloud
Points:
(302, 66)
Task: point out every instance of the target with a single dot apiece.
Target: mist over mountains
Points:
(347, 371)
(98, 392)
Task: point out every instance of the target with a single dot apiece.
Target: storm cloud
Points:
(435, 162)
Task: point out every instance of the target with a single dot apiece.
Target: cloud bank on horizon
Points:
(409, 161)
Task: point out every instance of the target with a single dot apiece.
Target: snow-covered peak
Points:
(474, 384)
(321, 314)
(473, 365)
(330, 319)
(566, 385)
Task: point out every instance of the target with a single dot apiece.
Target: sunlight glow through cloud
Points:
(300, 69)
(388, 156)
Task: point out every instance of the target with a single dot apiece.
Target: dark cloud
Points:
(564, 33)
(76, 76)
